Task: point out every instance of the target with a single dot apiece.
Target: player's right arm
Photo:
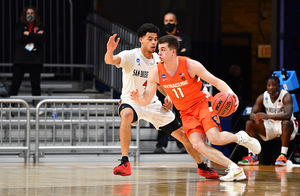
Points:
(109, 58)
(257, 108)
(152, 85)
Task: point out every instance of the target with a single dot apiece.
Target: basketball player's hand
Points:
(258, 121)
(237, 102)
(112, 44)
(261, 116)
(134, 94)
(167, 103)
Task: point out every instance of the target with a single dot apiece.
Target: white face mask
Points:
(30, 17)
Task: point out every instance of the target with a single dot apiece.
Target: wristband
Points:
(230, 91)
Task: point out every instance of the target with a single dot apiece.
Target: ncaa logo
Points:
(163, 76)
(138, 61)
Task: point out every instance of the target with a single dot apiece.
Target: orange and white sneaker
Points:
(123, 169)
(281, 160)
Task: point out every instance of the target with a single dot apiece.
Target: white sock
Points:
(284, 150)
(233, 165)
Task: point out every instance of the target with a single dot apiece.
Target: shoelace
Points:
(208, 169)
(281, 158)
(248, 158)
(122, 163)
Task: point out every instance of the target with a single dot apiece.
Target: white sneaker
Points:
(249, 142)
(234, 174)
(233, 188)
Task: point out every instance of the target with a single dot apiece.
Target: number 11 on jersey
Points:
(176, 93)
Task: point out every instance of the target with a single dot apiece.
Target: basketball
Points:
(223, 104)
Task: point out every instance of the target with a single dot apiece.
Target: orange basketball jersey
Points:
(181, 88)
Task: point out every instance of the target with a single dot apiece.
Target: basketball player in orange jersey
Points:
(136, 63)
(180, 77)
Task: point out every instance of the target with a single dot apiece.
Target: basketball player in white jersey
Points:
(136, 64)
(278, 121)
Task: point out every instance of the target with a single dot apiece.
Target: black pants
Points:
(163, 137)
(34, 71)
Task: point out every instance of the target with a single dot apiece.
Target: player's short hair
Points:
(274, 77)
(147, 28)
(172, 41)
(171, 13)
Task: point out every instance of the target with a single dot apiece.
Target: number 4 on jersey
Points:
(145, 84)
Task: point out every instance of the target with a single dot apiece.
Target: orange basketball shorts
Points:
(199, 118)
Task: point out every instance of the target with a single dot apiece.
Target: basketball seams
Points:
(224, 105)
(228, 98)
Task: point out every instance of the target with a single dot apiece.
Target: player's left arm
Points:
(152, 85)
(197, 69)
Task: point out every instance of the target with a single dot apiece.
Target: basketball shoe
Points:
(249, 160)
(208, 173)
(249, 142)
(123, 169)
(281, 160)
(234, 174)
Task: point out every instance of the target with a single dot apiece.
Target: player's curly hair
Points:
(147, 28)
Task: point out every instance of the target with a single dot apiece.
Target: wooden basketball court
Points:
(157, 178)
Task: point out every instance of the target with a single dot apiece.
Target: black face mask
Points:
(169, 27)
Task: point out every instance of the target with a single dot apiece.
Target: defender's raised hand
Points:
(112, 44)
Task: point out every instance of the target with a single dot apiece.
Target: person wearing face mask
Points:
(28, 51)
(185, 47)
(170, 27)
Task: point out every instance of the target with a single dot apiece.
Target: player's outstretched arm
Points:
(109, 58)
(197, 69)
(152, 85)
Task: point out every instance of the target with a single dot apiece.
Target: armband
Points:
(230, 91)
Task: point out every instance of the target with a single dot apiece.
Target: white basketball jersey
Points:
(277, 107)
(136, 68)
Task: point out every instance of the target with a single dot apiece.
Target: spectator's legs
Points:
(18, 74)
(35, 71)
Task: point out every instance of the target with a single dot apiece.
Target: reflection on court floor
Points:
(146, 179)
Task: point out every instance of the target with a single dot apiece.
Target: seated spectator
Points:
(278, 121)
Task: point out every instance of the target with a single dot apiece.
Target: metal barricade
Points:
(15, 128)
(78, 126)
